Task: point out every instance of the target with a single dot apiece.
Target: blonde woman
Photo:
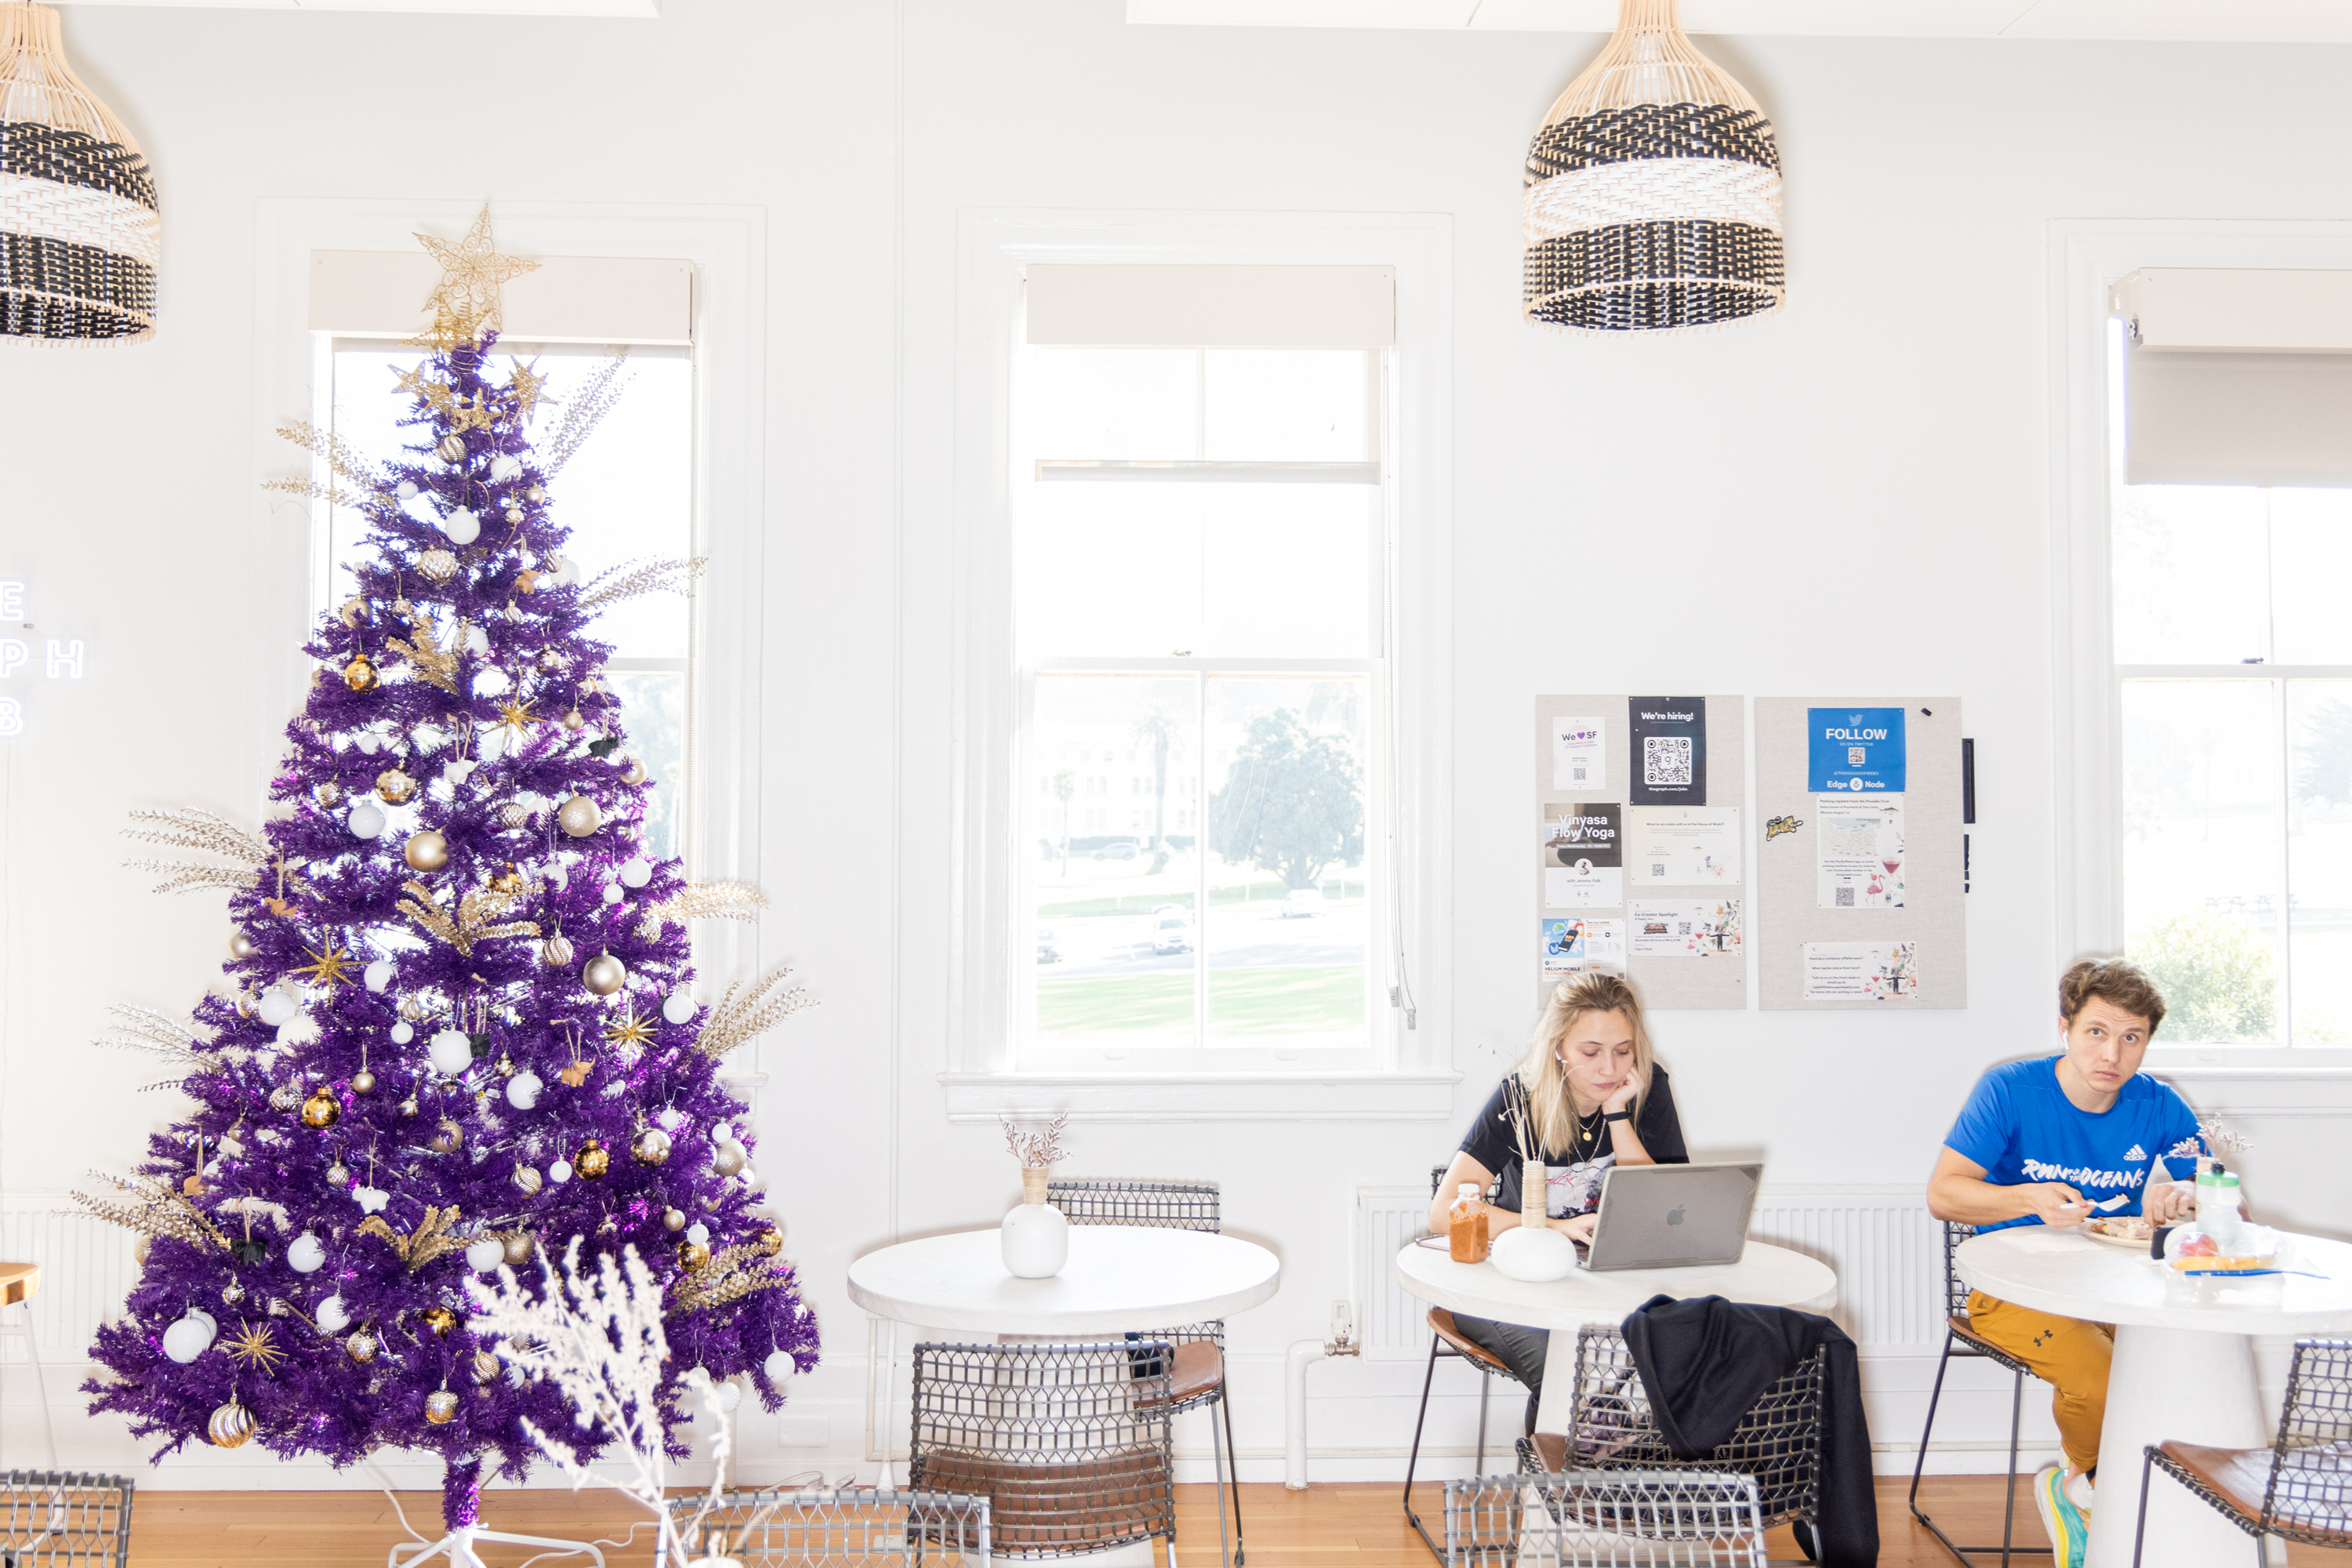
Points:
(1591, 1096)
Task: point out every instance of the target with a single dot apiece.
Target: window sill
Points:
(1201, 1097)
(2253, 1063)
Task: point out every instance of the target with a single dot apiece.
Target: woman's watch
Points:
(1617, 1116)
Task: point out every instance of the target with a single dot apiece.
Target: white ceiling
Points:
(2245, 21)
(458, 7)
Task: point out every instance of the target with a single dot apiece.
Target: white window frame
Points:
(2087, 256)
(727, 246)
(1411, 1078)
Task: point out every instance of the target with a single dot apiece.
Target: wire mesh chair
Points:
(1962, 1342)
(1199, 1376)
(1604, 1519)
(63, 1519)
(1447, 1341)
(1071, 1445)
(1778, 1443)
(2298, 1488)
(851, 1528)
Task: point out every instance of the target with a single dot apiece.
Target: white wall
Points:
(1853, 497)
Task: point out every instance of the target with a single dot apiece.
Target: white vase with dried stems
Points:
(1531, 1250)
(1035, 1237)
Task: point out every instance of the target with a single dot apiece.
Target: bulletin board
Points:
(1862, 883)
(1682, 895)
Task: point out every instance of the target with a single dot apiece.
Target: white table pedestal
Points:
(2187, 1386)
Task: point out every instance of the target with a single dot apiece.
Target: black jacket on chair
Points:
(1706, 1361)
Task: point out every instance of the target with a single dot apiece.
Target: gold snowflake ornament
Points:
(255, 1348)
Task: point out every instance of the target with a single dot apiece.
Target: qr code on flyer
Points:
(1665, 759)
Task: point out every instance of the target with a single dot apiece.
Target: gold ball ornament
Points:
(769, 1242)
(593, 1161)
(636, 772)
(353, 612)
(440, 1320)
(486, 1369)
(360, 673)
(395, 787)
(514, 815)
(452, 448)
(230, 1426)
(362, 1347)
(411, 1008)
(556, 951)
(438, 564)
(605, 974)
(727, 1159)
(514, 514)
(329, 794)
(650, 1146)
(519, 1246)
(572, 721)
(692, 1255)
(285, 1096)
(440, 1407)
(536, 493)
(321, 1109)
(408, 1106)
(426, 851)
(447, 1137)
(579, 816)
(241, 946)
(364, 1082)
(338, 1174)
(673, 1219)
(526, 1179)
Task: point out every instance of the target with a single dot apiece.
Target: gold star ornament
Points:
(630, 1033)
(516, 716)
(255, 1348)
(465, 303)
(327, 968)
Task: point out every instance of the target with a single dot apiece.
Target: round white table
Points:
(2183, 1368)
(1765, 1276)
(1118, 1279)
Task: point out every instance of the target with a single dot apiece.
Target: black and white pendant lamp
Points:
(1653, 192)
(78, 230)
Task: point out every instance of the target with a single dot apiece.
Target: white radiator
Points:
(86, 1273)
(1880, 1240)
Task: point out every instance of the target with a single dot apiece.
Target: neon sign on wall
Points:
(59, 658)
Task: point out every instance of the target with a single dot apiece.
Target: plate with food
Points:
(2122, 1230)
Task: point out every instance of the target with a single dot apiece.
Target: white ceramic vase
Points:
(1035, 1237)
(1533, 1254)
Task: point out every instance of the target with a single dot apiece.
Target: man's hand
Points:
(2170, 1202)
(2057, 1204)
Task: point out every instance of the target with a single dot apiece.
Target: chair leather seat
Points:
(1114, 1497)
(1197, 1369)
(1551, 1450)
(2241, 1476)
(1442, 1324)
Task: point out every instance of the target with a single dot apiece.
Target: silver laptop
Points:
(1668, 1216)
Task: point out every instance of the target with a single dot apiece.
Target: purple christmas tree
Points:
(461, 1031)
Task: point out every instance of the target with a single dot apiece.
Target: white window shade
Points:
(1135, 305)
(565, 300)
(2237, 377)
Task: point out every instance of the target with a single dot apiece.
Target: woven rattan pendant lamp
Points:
(1653, 192)
(79, 230)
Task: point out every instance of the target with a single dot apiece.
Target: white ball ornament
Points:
(366, 820)
(187, 1339)
(206, 1319)
(402, 1032)
(332, 1315)
(504, 466)
(277, 1007)
(478, 641)
(612, 894)
(778, 1366)
(306, 1254)
(522, 1090)
(636, 872)
(698, 1234)
(493, 682)
(450, 1053)
(486, 1254)
(670, 1116)
(730, 1395)
(678, 1006)
(750, 1178)
(560, 1172)
(462, 526)
(406, 489)
(378, 976)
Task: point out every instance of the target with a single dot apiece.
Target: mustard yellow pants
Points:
(2069, 1354)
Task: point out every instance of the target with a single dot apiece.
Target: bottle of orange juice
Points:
(1466, 1225)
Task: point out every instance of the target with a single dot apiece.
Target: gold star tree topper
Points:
(465, 303)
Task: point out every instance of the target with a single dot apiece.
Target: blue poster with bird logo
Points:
(1856, 749)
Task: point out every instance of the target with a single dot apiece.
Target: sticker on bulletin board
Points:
(1571, 947)
(1859, 750)
(1667, 756)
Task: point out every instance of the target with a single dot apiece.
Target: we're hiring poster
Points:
(1667, 756)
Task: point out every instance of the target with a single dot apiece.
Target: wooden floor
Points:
(1325, 1527)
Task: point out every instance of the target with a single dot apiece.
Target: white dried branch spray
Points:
(597, 1337)
(631, 579)
(340, 457)
(2221, 1140)
(314, 490)
(706, 901)
(146, 1029)
(734, 1021)
(153, 1208)
(1036, 1151)
(580, 415)
(185, 828)
(179, 876)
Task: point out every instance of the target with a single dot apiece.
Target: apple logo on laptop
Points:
(1674, 1215)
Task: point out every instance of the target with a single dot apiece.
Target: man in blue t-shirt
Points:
(2057, 1141)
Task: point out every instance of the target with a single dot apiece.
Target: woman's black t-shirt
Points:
(1572, 1176)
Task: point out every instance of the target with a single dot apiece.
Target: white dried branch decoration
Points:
(598, 1338)
(732, 1273)
(146, 1029)
(588, 405)
(707, 902)
(181, 875)
(340, 457)
(2221, 1140)
(185, 828)
(315, 490)
(631, 580)
(153, 1208)
(735, 1020)
(1036, 1151)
